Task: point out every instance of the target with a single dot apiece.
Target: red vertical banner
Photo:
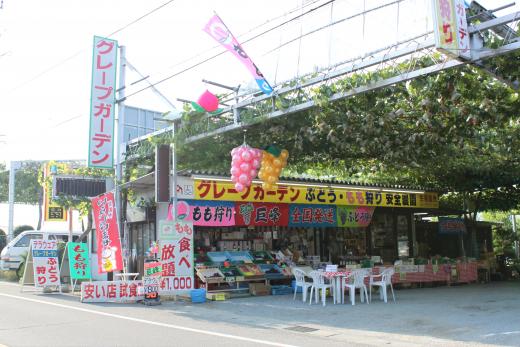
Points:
(107, 233)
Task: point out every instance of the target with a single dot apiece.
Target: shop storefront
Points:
(338, 224)
(258, 235)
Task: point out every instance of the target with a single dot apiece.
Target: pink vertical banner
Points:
(219, 31)
(110, 257)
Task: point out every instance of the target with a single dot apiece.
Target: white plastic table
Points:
(338, 278)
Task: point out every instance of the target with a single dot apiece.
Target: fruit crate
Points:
(281, 290)
(272, 271)
(238, 257)
(262, 257)
(201, 259)
(217, 296)
(218, 257)
(251, 271)
(210, 275)
(231, 274)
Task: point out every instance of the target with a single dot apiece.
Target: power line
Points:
(240, 35)
(222, 52)
(82, 50)
(142, 17)
(332, 24)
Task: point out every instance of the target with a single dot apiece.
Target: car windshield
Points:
(26, 240)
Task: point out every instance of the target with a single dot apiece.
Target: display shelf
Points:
(248, 239)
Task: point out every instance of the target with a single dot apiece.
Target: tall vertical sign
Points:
(110, 257)
(451, 28)
(176, 252)
(102, 103)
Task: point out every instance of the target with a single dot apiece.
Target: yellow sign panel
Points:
(285, 194)
(53, 211)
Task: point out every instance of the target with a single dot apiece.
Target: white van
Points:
(11, 255)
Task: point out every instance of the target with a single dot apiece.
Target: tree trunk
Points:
(40, 204)
(89, 226)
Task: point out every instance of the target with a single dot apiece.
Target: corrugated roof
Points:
(209, 173)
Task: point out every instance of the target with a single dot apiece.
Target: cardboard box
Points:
(258, 289)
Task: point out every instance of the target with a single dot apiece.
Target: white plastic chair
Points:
(299, 276)
(386, 280)
(318, 283)
(358, 282)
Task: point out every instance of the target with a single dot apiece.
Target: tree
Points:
(3, 239)
(503, 235)
(27, 188)
(457, 131)
(21, 228)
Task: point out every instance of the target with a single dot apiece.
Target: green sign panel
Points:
(79, 261)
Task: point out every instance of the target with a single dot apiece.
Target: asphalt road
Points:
(472, 315)
(33, 319)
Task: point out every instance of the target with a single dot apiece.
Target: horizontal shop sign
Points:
(207, 213)
(261, 214)
(451, 226)
(228, 213)
(211, 190)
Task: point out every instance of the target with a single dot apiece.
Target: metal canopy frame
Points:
(410, 51)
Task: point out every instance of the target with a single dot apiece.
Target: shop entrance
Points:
(141, 235)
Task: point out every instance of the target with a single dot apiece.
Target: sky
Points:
(46, 55)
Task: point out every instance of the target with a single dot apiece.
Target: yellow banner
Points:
(284, 194)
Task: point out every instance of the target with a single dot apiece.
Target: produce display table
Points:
(449, 273)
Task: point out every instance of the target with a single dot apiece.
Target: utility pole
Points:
(513, 222)
(119, 147)
(12, 178)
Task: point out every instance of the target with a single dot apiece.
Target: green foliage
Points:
(456, 131)
(503, 235)
(4, 183)
(21, 228)
(3, 239)
(27, 189)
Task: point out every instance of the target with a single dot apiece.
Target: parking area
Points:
(458, 315)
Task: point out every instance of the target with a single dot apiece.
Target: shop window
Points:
(141, 236)
(403, 249)
(383, 237)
